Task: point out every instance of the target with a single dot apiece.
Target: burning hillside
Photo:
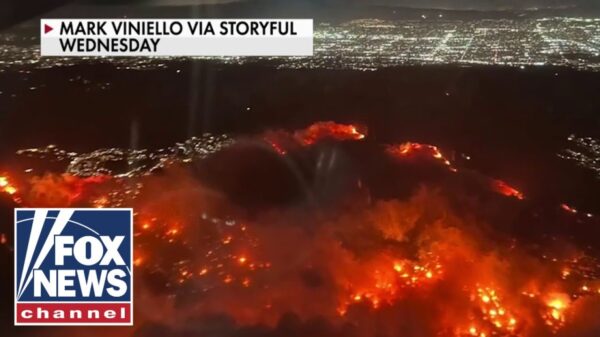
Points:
(350, 238)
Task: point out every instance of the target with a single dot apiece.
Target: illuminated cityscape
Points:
(585, 151)
(372, 43)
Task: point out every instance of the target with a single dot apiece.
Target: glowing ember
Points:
(388, 278)
(323, 130)
(494, 312)
(410, 149)
(557, 304)
(568, 208)
(138, 261)
(278, 148)
(7, 187)
(503, 188)
(64, 190)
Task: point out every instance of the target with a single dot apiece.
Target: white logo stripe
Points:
(63, 217)
(36, 228)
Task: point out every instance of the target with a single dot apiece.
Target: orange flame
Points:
(410, 149)
(557, 306)
(281, 141)
(503, 188)
(568, 208)
(7, 187)
(323, 130)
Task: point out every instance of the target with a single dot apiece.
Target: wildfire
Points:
(474, 331)
(389, 276)
(503, 188)
(7, 187)
(494, 312)
(282, 141)
(101, 202)
(323, 130)
(557, 305)
(361, 262)
(410, 149)
(218, 264)
(65, 190)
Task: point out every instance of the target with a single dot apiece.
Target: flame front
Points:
(387, 266)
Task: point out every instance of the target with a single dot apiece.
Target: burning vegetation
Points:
(418, 264)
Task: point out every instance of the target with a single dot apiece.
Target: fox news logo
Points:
(73, 266)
